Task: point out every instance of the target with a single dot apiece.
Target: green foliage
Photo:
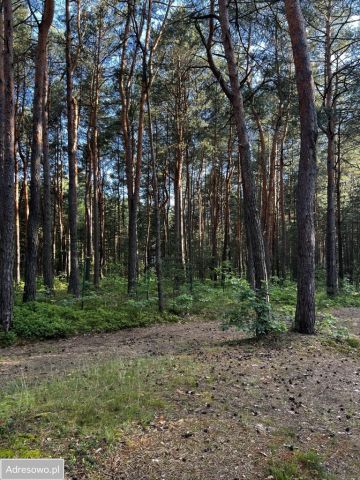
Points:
(283, 298)
(283, 471)
(252, 312)
(348, 296)
(353, 342)
(104, 310)
(7, 338)
(328, 325)
(182, 304)
(109, 308)
(38, 320)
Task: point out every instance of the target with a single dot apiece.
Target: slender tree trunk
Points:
(95, 186)
(124, 83)
(338, 201)
(238, 221)
(17, 199)
(252, 215)
(31, 257)
(24, 185)
(189, 217)
(331, 266)
(262, 166)
(7, 171)
(227, 220)
(271, 199)
(283, 248)
(74, 286)
(47, 211)
(214, 215)
(17, 224)
(305, 309)
(180, 105)
(88, 213)
(157, 212)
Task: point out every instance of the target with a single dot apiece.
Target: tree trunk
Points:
(47, 216)
(283, 247)
(36, 153)
(7, 171)
(250, 203)
(88, 213)
(227, 219)
(17, 217)
(262, 166)
(2, 107)
(95, 178)
(338, 201)
(331, 266)
(158, 261)
(305, 309)
(74, 287)
(180, 106)
(17, 266)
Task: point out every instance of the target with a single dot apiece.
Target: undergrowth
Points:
(109, 308)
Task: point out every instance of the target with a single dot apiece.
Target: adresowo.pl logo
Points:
(32, 469)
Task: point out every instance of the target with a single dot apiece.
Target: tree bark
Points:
(250, 203)
(305, 309)
(94, 155)
(48, 272)
(331, 264)
(156, 199)
(338, 201)
(36, 153)
(7, 170)
(2, 106)
(74, 286)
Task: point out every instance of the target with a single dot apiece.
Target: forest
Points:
(180, 238)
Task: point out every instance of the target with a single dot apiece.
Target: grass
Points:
(299, 466)
(74, 415)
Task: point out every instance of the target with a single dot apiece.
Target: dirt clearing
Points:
(285, 408)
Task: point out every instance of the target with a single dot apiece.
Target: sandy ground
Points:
(254, 402)
(41, 359)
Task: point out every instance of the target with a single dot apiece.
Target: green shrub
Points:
(97, 312)
(182, 304)
(7, 338)
(43, 320)
(252, 312)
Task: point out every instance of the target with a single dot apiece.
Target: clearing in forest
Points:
(187, 401)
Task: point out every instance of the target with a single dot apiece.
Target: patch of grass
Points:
(345, 298)
(347, 344)
(73, 415)
(284, 471)
(311, 461)
(299, 466)
(353, 342)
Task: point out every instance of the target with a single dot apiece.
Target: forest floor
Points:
(283, 408)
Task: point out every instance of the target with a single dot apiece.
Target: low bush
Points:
(251, 312)
(109, 308)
